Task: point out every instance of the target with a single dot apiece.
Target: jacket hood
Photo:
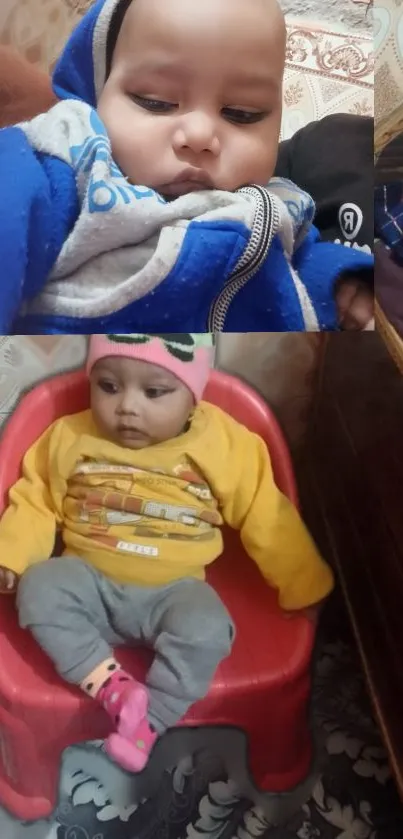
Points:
(80, 72)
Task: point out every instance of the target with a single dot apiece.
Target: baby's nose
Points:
(197, 132)
(128, 405)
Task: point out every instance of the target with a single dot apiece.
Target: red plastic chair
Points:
(263, 688)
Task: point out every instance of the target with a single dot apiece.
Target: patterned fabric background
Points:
(327, 71)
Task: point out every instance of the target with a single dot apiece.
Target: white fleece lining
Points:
(308, 311)
(99, 42)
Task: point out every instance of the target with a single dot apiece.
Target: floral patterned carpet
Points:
(354, 797)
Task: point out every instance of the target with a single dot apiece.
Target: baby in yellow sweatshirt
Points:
(140, 486)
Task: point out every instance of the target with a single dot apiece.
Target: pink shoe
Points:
(126, 702)
(133, 709)
(120, 691)
(132, 753)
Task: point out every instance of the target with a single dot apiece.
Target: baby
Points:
(145, 198)
(141, 484)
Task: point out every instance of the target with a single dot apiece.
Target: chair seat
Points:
(275, 657)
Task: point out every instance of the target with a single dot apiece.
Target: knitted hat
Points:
(188, 355)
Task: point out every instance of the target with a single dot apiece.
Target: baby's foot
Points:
(122, 695)
(126, 701)
(131, 749)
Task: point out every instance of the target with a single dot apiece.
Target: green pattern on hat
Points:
(182, 345)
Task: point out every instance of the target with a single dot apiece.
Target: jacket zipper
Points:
(266, 223)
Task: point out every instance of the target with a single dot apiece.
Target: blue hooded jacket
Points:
(83, 251)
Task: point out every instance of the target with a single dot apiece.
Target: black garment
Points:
(333, 160)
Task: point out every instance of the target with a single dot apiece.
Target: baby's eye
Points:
(157, 106)
(155, 392)
(242, 117)
(107, 386)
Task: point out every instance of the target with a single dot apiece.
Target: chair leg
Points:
(280, 748)
(28, 775)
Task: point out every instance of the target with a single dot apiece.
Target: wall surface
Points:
(25, 361)
(283, 367)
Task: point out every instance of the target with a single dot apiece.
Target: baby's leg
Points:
(191, 632)
(68, 606)
(60, 603)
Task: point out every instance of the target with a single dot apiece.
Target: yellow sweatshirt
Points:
(152, 516)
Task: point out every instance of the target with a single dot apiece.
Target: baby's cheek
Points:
(249, 158)
(264, 160)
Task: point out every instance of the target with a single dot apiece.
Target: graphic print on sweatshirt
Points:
(121, 506)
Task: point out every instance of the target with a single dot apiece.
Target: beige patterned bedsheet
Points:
(327, 72)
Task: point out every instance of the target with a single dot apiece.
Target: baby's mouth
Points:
(130, 433)
(190, 180)
(175, 190)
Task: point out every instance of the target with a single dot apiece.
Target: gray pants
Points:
(77, 615)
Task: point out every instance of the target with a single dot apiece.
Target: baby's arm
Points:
(271, 528)
(332, 160)
(28, 237)
(311, 613)
(28, 526)
(339, 280)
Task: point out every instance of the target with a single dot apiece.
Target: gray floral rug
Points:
(354, 797)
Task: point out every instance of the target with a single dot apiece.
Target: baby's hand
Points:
(8, 580)
(310, 612)
(355, 304)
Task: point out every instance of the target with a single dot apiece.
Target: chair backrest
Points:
(69, 393)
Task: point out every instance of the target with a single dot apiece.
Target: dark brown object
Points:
(351, 475)
(389, 286)
(388, 277)
(388, 143)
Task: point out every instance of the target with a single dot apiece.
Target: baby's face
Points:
(136, 404)
(193, 99)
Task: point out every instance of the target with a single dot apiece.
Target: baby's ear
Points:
(25, 89)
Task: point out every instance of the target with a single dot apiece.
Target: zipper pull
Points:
(265, 227)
